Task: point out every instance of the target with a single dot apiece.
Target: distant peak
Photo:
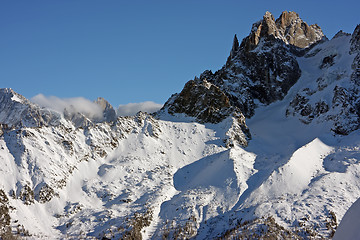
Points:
(109, 113)
(12, 94)
(341, 33)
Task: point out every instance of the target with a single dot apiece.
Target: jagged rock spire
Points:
(289, 28)
(235, 47)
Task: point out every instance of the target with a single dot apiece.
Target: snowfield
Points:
(170, 177)
(181, 171)
(349, 227)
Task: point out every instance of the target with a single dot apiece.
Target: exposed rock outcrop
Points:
(289, 28)
(208, 103)
(355, 40)
(355, 49)
(202, 100)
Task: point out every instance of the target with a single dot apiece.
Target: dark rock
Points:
(328, 61)
(355, 49)
(202, 100)
(306, 111)
(266, 73)
(208, 103)
(355, 40)
(26, 194)
(44, 193)
(321, 108)
(235, 47)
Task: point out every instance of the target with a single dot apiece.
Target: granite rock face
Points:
(289, 28)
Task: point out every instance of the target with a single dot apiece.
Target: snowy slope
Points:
(181, 171)
(349, 226)
(170, 177)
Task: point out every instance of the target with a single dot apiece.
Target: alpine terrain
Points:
(267, 147)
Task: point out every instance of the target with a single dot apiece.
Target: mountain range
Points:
(267, 147)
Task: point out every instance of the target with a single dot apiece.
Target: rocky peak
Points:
(253, 71)
(109, 113)
(289, 28)
(235, 47)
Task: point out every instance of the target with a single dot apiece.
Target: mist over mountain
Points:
(268, 146)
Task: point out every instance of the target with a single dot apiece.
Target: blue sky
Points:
(134, 51)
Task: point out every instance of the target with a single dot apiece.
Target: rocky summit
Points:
(265, 66)
(267, 147)
(289, 28)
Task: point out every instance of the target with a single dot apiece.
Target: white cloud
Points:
(131, 109)
(77, 104)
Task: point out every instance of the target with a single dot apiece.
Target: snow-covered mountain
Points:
(268, 146)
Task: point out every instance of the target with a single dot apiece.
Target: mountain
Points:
(265, 147)
(266, 65)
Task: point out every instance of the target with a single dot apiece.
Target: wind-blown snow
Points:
(131, 109)
(72, 105)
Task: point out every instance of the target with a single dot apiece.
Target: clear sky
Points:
(134, 51)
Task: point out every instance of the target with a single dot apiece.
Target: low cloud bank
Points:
(72, 105)
(131, 109)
